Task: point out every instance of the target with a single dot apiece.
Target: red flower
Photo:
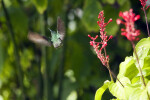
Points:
(143, 2)
(99, 46)
(129, 18)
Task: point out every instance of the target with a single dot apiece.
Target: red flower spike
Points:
(99, 46)
(143, 2)
(129, 18)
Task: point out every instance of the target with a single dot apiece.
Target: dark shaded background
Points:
(72, 72)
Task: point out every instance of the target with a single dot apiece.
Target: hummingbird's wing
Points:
(37, 38)
(60, 28)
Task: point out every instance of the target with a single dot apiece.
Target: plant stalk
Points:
(140, 70)
(40, 79)
(62, 65)
(17, 58)
(146, 21)
(48, 95)
(115, 76)
(108, 67)
(110, 72)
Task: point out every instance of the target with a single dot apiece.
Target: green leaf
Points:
(143, 50)
(90, 13)
(127, 68)
(19, 22)
(136, 92)
(117, 89)
(101, 90)
(148, 87)
(41, 5)
(115, 99)
(121, 2)
(143, 44)
(125, 6)
(110, 1)
(26, 58)
(146, 66)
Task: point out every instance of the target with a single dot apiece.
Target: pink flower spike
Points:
(99, 46)
(143, 2)
(129, 19)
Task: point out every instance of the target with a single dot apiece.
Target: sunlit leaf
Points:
(127, 68)
(101, 90)
(117, 89)
(136, 92)
(40, 5)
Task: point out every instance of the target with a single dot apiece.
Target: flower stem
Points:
(108, 66)
(140, 70)
(110, 72)
(146, 21)
(115, 76)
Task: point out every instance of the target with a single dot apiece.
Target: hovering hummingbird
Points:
(56, 37)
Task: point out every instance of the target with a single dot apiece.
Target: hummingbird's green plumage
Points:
(56, 37)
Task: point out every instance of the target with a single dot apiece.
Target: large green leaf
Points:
(90, 13)
(136, 92)
(148, 87)
(143, 50)
(101, 90)
(117, 89)
(41, 5)
(128, 68)
(143, 45)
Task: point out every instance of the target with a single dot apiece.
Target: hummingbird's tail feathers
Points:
(60, 28)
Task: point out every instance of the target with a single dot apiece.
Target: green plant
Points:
(133, 79)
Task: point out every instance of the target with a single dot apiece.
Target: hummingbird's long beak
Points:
(50, 29)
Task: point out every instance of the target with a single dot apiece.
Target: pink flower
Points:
(129, 18)
(99, 46)
(143, 2)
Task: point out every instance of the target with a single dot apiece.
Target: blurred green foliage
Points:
(74, 66)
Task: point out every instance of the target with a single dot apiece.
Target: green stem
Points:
(146, 21)
(17, 58)
(137, 59)
(40, 80)
(62, 65)
(48, 88)
(108, 67)
(44, 63)
(115, 76)
(110, 72)
(140, 70)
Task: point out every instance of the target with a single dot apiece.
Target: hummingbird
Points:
(56, 38)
